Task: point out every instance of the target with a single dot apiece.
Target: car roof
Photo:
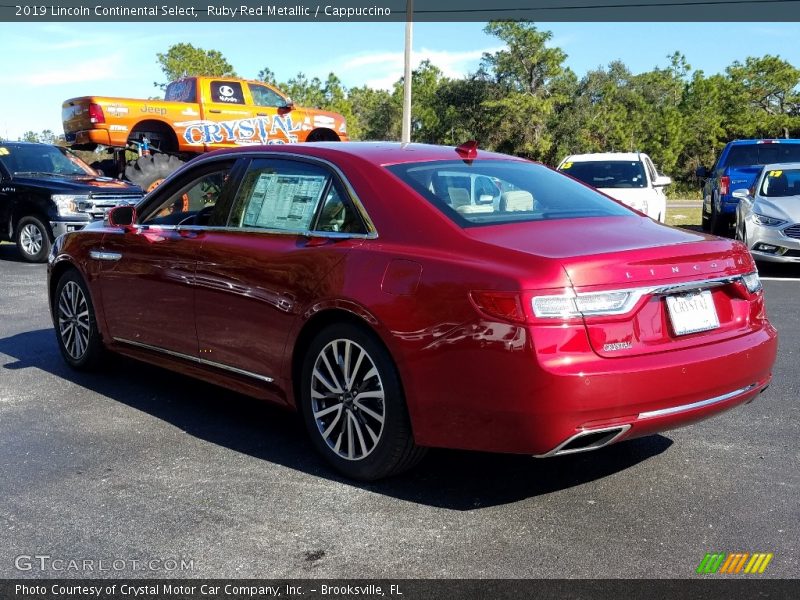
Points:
(604, 156)
(378, 153)
(764, 141)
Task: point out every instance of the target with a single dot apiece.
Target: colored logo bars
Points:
(739, 562)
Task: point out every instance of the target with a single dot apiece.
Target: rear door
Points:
(257, 275)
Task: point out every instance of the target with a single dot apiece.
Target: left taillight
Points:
(571, 305)
(724, 185)
(96, 113)
(506, 306)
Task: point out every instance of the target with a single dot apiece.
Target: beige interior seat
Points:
(459, 197)
(516, 200)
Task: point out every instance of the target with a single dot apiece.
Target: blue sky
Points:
(46, 63)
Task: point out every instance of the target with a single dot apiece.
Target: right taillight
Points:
(752, 282)
(96, 113)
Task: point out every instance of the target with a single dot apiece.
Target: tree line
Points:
(524, 100)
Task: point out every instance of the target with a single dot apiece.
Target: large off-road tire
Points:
(76, 326)
(353, 405)
(33, 238)
(149, 171)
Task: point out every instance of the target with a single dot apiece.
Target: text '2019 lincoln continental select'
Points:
(411, 296)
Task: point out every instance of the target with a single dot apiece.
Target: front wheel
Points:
(75, 323)
(33, 239)
(353, 405)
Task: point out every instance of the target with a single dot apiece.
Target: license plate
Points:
(691, 313)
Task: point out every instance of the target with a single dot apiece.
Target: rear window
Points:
(519, 192)
(608, 173)
(762, 154)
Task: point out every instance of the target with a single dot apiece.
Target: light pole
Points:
(405, 137)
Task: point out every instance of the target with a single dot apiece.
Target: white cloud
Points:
(90, 70)
(384, 69)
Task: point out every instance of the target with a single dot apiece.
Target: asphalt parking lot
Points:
(137, 463)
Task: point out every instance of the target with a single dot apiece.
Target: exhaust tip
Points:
(589, 439)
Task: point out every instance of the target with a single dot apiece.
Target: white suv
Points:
(630, 177)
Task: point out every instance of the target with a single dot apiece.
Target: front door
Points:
(148, 273)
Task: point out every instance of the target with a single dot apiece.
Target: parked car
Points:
(46, 190)
(630, 177)
(736, 168)
(334, 279)
(768, 214)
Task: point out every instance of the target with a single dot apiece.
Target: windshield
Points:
(784, 182)
(41, 159)
(762, 154)
(608, 173)
(491, 192)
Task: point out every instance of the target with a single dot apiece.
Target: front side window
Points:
(520, 191)
(608, 173)
(264, 96)
(193, 203)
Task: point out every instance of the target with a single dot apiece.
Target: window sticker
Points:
(4, 152)
(566, 165)
(284, 202)
(775, 173)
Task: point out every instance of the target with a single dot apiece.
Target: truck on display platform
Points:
(198, 114)
(737, 167)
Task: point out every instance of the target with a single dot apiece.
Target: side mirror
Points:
(701, 172)
(121, 216)
(741, 193)
(662, 181)
(288, 105)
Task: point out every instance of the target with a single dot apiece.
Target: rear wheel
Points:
(149, 171)
(75, 323)
(33, 239)
(353, 405)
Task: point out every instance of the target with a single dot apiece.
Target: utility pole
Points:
(406, 134)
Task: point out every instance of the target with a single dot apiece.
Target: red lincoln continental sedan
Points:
(411, 296)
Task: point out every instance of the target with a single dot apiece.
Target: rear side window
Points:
(293, 196)
(519, 191)
(762, 154)
(184, 90)
(608, 174)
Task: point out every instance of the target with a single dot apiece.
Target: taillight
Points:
(503, 305)
(724, 185)
(96, 113)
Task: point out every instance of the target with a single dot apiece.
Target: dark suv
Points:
(46, 190)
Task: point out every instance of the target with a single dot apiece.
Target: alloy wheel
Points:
(31, 238)
(73, 320)
(347, 399)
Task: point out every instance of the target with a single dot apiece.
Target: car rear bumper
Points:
(520, 405)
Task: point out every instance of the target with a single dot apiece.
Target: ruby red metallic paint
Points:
(471, 379)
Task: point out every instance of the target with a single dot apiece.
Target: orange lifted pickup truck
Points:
(198, 114)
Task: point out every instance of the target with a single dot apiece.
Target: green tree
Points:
(30, 136)
(182, 60)
(267, 75)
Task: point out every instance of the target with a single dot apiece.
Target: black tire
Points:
(323, 135)
(75, 323)
(33, 238)
(148, 171)
(368, 429)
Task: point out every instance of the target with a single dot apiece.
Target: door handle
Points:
(262, 115)
(189, 233)
(214, 110)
